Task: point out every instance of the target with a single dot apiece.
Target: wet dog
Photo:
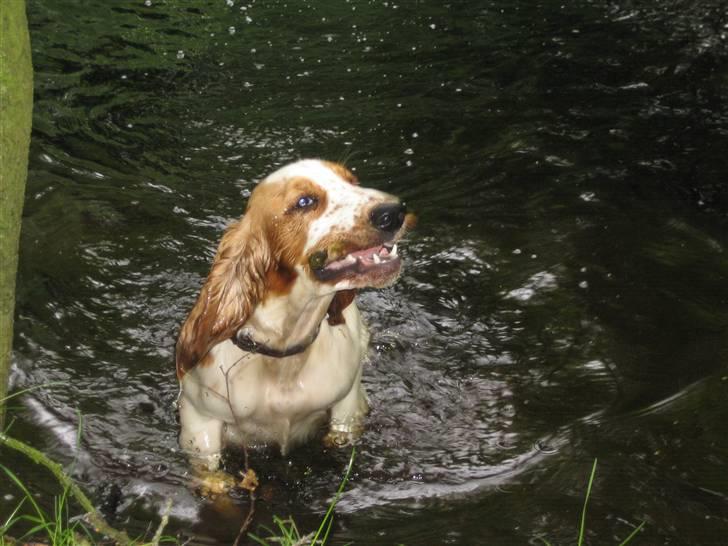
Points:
(273, 348)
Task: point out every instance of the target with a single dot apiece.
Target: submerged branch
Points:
(248, 471)
(93, 515)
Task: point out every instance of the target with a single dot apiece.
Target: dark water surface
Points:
(565, 295)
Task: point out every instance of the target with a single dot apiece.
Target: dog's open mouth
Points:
(375, 264)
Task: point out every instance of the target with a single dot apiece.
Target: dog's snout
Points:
(388, 217)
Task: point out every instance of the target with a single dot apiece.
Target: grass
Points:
(62, 529)
(582, 525)
(57, 529)
(287, 533)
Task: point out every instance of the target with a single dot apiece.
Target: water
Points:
(564, 297)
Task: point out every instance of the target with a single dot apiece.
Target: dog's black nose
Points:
(388, 217)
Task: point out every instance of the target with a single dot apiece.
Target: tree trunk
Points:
(16, 105)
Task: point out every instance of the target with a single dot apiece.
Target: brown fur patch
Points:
(341, 301)
(256, 255)
(290, 229)
(234, 286)
(342, 171)
(280, 280)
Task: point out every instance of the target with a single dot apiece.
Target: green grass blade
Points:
(582, 527)
(12, 518)
(258, 540)
(29, 389)
(42, 526)
(21, 486)
(267, 529)
(632, 534)
(336, 497)
(326, 534)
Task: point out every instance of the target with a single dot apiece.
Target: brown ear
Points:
(233, 288)
(341, 301)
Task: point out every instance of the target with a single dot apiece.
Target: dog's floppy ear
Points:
(233, 288)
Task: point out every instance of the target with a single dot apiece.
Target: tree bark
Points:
(16, 107)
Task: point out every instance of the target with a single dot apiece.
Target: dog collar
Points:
(244, 341)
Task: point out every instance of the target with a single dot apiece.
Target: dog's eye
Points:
(305, 201)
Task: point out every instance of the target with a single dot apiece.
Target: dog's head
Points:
(320, 223)
(309, 223)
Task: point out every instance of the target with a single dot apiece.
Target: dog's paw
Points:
(213, 484)
(342, 435)
(337, 438)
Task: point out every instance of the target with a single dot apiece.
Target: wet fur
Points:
(261, 280)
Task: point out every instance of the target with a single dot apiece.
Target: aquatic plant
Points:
(287, 533)
(60, 528)
(582, 524)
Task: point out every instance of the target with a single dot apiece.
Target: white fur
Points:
(274, 400)
(232, 395)
(345, 202)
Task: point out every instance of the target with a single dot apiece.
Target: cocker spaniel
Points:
(273, 347)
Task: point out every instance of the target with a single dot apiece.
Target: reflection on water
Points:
(564, 296)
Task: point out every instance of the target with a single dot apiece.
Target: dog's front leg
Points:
(200, 436)
(347, 416)
(202, 439)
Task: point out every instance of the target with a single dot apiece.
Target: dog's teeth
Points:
(393, 252)
(349, 260)
(376, 258)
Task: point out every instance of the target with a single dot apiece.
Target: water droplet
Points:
(583, 284)
(415, 135)
(433, 26)
(409, 151)
(231, 30)
(148, 3)
(180, 54)
(230, 3)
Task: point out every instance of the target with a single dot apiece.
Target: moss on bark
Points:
(16, 105)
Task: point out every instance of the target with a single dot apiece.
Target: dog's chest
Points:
(263, 391)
